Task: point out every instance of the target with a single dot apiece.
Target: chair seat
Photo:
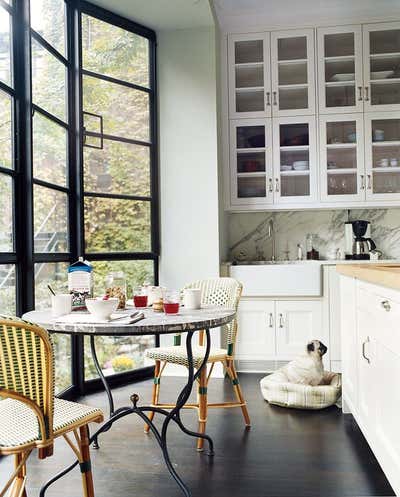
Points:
(178, 355)
(19, 425)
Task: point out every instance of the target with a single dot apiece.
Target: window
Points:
(84, 182)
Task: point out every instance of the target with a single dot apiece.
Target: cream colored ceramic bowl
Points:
(102, 309)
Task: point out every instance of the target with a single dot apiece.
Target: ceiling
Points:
(162, 14)
(235, 14)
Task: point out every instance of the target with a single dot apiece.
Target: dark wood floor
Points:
(286, 453)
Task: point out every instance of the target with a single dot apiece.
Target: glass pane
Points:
(125, 111)
(340, 96)
(293, 135)
(383, 42)
(6, 209)
(296, 160)
(250, 137)
(249, 100)
(123, 353)
(292, 48)
(292, 74)
(386, 156)
(339, 44)
(48, 81)
(5, 47)
(249, 51)
(386, 182)
(250, 162)
(118, 168)
(50, 220)
(247, 77)
(6, 155)
(295, 186)
(385, 130)
(342, 184)
(49, 150)
(55, 275)
(124, 56)
(341, 132)
(385, 93)
(339, 71)
(7, 289)
(48, 19)
(251, 187)
(114, 225)
(293, 98)
(342, 158)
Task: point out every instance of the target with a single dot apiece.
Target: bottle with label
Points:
(80, 283)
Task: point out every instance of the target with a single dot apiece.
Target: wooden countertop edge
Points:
(388, 276)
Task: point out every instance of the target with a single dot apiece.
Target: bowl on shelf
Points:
(285, 167)
(102, 309)
(382, 74)
(352, 137)
(300, 165)
(343, 77)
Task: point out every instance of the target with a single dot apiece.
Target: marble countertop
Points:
(387, 275)
(324, 262)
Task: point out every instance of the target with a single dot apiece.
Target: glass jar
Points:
(116, 287)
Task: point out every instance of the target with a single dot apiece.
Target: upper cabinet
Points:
(292, 68)
(340, 76)
(249, 75)
(381, 66)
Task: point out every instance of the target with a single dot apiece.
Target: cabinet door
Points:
(292, 68)
(381, 47)
(340, 78)
(249, 75)
(365, 366)
(341, 146)
(256, 330)
(295, 165)
(382, 155)
(298, 322)
(251, 161)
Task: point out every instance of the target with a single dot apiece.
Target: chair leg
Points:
(18, 486)
(202, 401)
(156, 392)
(230, 367)
(85, 465)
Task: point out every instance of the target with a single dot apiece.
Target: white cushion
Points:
(276, 389)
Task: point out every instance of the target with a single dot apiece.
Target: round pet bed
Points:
(276, 389)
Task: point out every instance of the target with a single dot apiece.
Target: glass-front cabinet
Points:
(342, 174)
(292, 67)
(382, 155)
(340, 78)
(381, 66)
(295, 178)
(251, 161)
(249, 75)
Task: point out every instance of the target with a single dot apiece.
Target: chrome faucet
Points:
(271, 235)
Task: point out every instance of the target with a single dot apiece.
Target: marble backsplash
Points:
(248, 232)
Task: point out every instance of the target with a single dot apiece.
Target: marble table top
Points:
(152, 324)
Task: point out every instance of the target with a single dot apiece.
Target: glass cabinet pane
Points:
(294, 160)
(384, 70)
(385, 155)
(251, 187)
(250, 136)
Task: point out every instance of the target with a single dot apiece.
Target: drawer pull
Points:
(386, 305)
(360, 97)
(271, 186)
(271, 320)
(268, 98)
(281, 320)
(363, 350)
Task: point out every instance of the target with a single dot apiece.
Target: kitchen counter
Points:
(387, 275)
(323, 262)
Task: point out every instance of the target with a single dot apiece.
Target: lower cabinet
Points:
(275, 331)
(370, 317)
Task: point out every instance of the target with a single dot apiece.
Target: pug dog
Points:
(307, 369)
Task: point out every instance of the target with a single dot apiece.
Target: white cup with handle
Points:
(61, 304)
(192, 298)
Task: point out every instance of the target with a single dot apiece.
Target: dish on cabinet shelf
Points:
(382, 74)
(343, 77)
(300, 165)
(285, 167)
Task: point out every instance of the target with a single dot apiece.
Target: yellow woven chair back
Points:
(224, 292)
(27, 370)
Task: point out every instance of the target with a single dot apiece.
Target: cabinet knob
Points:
(386, 305)
(268, 98)
(360, 97)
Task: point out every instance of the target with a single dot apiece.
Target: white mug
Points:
(61, 304)
(192, 298)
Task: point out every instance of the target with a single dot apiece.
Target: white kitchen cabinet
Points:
(256, 330)
(364, 350)
(251, 161)
(382, 156)
(381, 50)
(295, 161)
(297, 322)
(292, 69)
(342, 170)
(340, 75)
(249, 75)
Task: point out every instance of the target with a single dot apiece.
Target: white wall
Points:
(188, 156)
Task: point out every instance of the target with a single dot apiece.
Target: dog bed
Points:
(276, 389)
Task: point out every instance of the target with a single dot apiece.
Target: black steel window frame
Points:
(23, 255)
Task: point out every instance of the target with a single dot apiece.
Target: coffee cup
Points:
(61, 304)
(192, 298)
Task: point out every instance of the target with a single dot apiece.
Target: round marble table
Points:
(187, 321)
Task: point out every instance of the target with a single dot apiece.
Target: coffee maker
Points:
(358, 240)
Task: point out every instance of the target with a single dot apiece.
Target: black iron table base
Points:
(170, 415)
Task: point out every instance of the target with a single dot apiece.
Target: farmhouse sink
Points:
(279, 279)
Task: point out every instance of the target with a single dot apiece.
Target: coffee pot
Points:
(361, 246)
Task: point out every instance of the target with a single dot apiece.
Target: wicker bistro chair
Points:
(224, 292)
(30, 415)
